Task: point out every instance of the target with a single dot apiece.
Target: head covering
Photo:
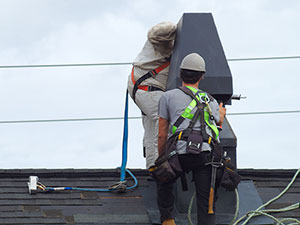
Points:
(162, 32)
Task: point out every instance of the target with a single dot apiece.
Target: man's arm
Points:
(222, 111)
(163, 127)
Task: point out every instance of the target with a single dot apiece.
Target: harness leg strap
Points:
(184, 184)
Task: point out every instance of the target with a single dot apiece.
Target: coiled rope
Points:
(259, 211)
(237, 207)
(266, 212)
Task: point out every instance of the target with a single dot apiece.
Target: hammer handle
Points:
(211, 201)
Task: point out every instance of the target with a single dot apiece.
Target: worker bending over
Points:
(176, 109)
(148, 80)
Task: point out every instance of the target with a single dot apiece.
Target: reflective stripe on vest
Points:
(188, 115)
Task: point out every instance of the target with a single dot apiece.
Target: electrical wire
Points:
(130, 63)
(68, 120)
(260, 113)
(132, 118)
(65, 65)
(265, 58)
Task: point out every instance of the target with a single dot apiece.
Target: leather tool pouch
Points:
(194, 142)
(167, 165)
(218, 152)
(167, 170)
(230, 178)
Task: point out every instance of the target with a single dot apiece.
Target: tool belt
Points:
(167, 166)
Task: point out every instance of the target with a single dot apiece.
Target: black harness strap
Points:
(139, 81)
(184, 184)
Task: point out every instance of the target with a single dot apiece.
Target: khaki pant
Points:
(148, 104)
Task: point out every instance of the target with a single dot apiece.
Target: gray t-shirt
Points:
(172, 104)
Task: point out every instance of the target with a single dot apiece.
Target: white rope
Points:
(190, 209)
(237, 206)
(259, 210)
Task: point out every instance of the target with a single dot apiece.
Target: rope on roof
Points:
(266, 212)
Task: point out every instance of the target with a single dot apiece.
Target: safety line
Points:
(125, 141)
(130, 63)
(132, 117)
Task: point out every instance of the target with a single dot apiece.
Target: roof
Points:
(136, 206)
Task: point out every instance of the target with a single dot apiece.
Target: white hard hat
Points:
(194, 62)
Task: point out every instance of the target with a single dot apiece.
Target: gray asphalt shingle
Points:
(134, 207)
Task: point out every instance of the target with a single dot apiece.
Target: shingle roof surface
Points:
(269, 183)
(17, 206)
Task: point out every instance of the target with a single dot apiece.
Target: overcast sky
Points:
(95, 31)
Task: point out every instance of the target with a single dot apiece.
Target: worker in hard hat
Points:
(176, 110)
(148, 80)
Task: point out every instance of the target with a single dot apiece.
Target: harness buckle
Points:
(152, 73)
(194, 146)
(204, 99)
(214, 164)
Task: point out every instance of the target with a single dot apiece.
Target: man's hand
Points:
(222, 111)
(163, 127)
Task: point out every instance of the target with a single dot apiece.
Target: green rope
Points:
(259, 210)
(190, 209)
(237, 206)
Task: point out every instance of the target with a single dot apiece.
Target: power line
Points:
(130, 63)
(265, 58)
(132, 118)
(67, 120)
(65, 65)
(261, 113)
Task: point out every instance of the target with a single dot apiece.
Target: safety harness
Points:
(146, 76)
(204, 112)
(201, 101)
(167, 166)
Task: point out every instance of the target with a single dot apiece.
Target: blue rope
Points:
(134, 178)
(125, 141)
(123, 165)
(95, 189)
